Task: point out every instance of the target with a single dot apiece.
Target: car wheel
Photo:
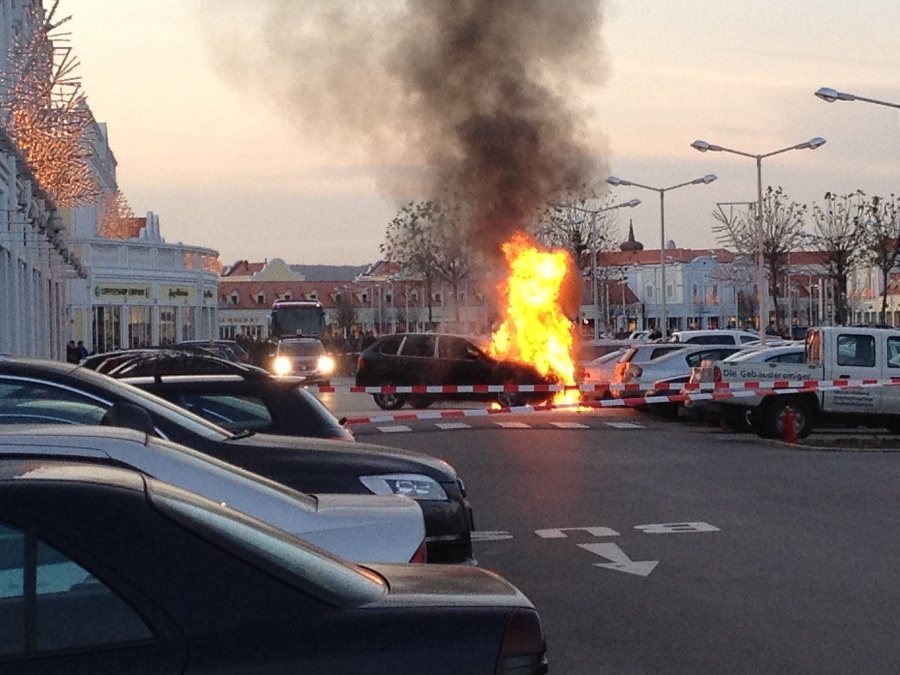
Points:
(510, 399)
(389, 401)
(773, 418)
(421, 401)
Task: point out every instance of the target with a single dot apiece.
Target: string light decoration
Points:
(45, 111)
(112, 220)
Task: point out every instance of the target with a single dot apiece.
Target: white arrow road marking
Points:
(490, 535)
(560, 532)
(393, 430)
(620, 561)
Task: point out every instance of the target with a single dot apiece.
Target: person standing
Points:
(82, 351)
(72, 352)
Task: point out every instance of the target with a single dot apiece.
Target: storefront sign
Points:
(174, 294)
(122, 292)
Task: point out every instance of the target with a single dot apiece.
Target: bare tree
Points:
(345, 315)
(840, 226)
(567, 225)
(881, 240)
(429, 240)
(782, 224)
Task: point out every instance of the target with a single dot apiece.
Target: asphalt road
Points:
(651, 546)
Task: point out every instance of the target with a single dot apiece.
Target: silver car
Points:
(360, 528)
(677, 363)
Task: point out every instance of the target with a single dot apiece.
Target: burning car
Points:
(409, 359)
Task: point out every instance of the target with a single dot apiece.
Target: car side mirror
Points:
(130, 416)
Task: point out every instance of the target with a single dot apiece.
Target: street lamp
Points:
(593, 213)
(830, 95)
(706, 180)
(761, 290)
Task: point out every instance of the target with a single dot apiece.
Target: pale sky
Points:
(225, 170)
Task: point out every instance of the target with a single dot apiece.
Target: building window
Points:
(166, 326)
(313, 295)
(649, 292)
(139, 327)
(105, 328)
(364, 297)
(287, 296)
(233, 298)
(437, 298)
(670, 291)
(260, 298)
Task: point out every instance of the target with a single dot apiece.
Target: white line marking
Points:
(624, 425)
(453, 425)
(394, 430)
(513, 425)
(569, 425)
(489, 535)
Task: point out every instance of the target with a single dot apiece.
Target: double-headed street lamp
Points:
(831, 96)
(593, 213)
(761, 290)
(706, 180)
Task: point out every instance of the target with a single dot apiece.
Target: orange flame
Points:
(535, 329)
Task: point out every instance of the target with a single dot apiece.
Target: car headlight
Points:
(411, 485)
(282, 365)
(325, 365)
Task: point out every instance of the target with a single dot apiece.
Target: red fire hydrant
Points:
(789, 425)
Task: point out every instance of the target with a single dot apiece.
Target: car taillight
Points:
(717, 374)
(421, 554)
(359, 363)
(523, 650)
(636, 371)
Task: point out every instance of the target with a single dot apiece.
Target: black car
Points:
(37, 391)
(105, 570)
(409, 359)
(235, 396)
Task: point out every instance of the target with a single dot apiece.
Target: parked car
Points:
(235, 396)
(713, 336)
(362, 528)
(304, 358)
(674, 364)
(641, 354)
(600, 373)
(408, 359)
(108, 571)
(37, 391)
(222, 348)
(589, 350)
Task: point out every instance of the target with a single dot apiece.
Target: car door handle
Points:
(843, 377)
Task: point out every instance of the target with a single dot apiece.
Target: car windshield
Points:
(292, 560)
(301, 349)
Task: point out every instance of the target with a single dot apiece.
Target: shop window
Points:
(166, 326)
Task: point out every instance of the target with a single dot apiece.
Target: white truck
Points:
(831, 353)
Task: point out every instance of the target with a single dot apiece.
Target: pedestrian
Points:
(72, 352)
(82, 350)
(655, 335)
(772, 329)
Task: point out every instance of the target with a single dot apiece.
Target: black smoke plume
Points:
(480, 92)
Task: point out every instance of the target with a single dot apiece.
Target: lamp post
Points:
(706, 180)
(761, 290)
(830, 95)
(593, 213)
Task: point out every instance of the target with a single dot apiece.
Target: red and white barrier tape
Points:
(618, 402)
(631, 386)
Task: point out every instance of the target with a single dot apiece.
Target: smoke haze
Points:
(477, 91)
